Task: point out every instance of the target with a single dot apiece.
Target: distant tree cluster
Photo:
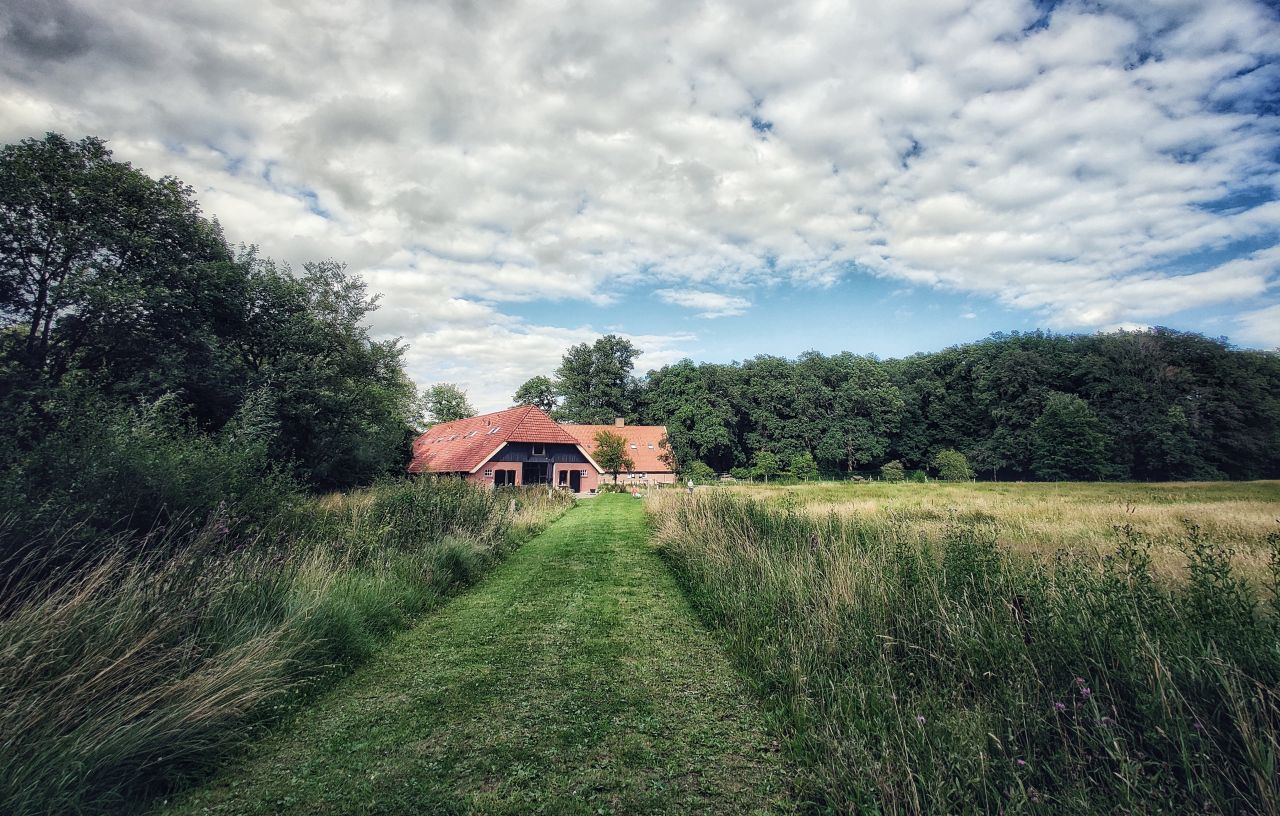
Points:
(1149, 405)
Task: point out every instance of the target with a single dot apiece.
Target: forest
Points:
(1156, 404)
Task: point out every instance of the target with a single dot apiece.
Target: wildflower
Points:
(920, 719)
(1085, 692)
(1021, 763)
(1059, 707)
(1197, 725)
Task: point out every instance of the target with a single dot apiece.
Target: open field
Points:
(1042, 517)
(920, 662)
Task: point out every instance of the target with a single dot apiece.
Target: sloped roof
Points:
(463, 445)
(644, 443)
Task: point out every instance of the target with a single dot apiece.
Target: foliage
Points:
(116, 292)
(765, 464)
(893, 471)
(939, 674)
(803, 467)
(595, 382)
(1067, 440)
(742, 474)
(700, 473)
(952, 466)
(539, 391)
(1168, 405)
(446, 402)
(611, 454)
(131, 676)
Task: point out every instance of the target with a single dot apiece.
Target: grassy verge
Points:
(574, 680)
(128, 678)
(926, 672)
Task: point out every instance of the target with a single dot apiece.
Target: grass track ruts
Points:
(575, 679)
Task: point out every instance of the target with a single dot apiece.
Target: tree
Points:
(803, 467)
(952, 466)
(1067, 440)
(595, 381)
(538, 391)
(766, 465)
(107, 270)
(447, 402)
(893, 471)
(699, 472)
(611, 454)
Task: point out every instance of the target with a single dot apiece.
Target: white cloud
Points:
(466, 156)
(706, 304)
(1261, 326)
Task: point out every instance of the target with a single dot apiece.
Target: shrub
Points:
(952, 466)
(700, 472)
(742, 474)
(804, 468)
(892, 471)
(919, 476)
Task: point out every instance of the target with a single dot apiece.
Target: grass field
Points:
(946, 648)
(1042, 517)
(573, 680)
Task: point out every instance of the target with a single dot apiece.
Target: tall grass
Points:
(922, 673)
(126, 678)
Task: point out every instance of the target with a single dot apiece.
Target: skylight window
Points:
(494, 429)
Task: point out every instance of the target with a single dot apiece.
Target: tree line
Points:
(1156, 404)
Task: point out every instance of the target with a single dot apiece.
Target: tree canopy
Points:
(446, 402)
(611, 454)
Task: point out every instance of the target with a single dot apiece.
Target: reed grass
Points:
(130, 677)
(921, 669)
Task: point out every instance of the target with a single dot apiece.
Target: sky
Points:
(712, 180)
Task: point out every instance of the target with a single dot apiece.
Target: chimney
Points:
(619, 422)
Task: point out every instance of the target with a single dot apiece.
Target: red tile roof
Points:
(644, 443)
(463, 445)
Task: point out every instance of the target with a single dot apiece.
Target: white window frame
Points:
(538, 450)
(489, 473)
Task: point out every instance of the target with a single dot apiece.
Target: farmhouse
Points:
(646, 445)
(523, 446)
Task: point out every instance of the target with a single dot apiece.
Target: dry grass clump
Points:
(923, 671)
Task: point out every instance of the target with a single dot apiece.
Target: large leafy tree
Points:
(107, 272)
(1068, 441)
(447, 402)
(595, 381)
(539, 391)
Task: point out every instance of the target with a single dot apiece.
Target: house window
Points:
(539, 450)
(488, 473)
(564, 477)
(634, 446)
(582, 473)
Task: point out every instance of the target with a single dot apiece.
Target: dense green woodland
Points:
(1156, 404)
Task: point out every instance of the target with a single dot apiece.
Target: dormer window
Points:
(539, 450)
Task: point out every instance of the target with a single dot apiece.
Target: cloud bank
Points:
(1092, 163)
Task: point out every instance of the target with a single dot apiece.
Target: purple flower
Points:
(1059, 707)
(1085, 692)
(1021, 763)
(1197, 725)
(920, 719)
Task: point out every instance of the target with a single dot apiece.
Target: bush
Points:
(952, 466)
(742, 474)
(919, 476)
(700, 472)
(893, 471)
(804, 468)
(940, 674)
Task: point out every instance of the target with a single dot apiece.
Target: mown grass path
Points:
(575, 679)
